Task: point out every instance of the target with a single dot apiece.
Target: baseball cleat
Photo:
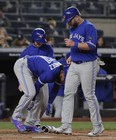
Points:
(33, 129)
(44, 128)
(49, 129)
(96, 131)
(61, 130)
(38, 125)
(18, 125)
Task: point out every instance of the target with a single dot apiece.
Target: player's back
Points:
(47, 67)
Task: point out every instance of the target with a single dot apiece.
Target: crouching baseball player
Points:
(39, 46)
(46, 70)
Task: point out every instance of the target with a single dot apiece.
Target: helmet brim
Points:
(67, 20)
(42, 40)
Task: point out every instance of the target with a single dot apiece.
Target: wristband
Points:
(76, 44)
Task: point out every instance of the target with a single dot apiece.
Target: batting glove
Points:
(49, 109)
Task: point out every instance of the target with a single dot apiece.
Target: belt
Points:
(80, 62)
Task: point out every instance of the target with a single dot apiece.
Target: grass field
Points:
(75, 125)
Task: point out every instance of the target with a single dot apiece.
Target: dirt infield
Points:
(12, 134)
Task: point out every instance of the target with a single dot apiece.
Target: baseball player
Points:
(39, 46)
(83, 70)
(46, 70)
(57, 94)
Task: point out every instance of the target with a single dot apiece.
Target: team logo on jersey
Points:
(77, 36)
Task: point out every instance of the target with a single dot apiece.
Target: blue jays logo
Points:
(68, 13)
(40, 35)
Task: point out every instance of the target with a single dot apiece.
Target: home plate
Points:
(42, 137)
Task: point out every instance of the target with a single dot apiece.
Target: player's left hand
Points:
(49, 109)
(68, 42)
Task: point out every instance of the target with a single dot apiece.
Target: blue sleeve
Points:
(24, 53)
(91, 36)
(53, 91)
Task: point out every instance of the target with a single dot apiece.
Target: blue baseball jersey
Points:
(84, 33)
(45, 50)
(46, 69)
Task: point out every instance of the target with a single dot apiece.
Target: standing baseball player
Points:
(46, 70)
(39, 46)
(83, 70)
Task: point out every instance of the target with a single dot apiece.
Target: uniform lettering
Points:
(54, 65)
(77, 36)
(48, 60)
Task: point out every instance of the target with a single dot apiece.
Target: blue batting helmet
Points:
(39, 35)
(70, 13)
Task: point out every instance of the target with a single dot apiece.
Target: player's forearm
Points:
(83, 46)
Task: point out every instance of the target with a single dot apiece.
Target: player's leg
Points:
(34, 115)
(88, 80)
(71, 84)
(27, 85)
(26, 82)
